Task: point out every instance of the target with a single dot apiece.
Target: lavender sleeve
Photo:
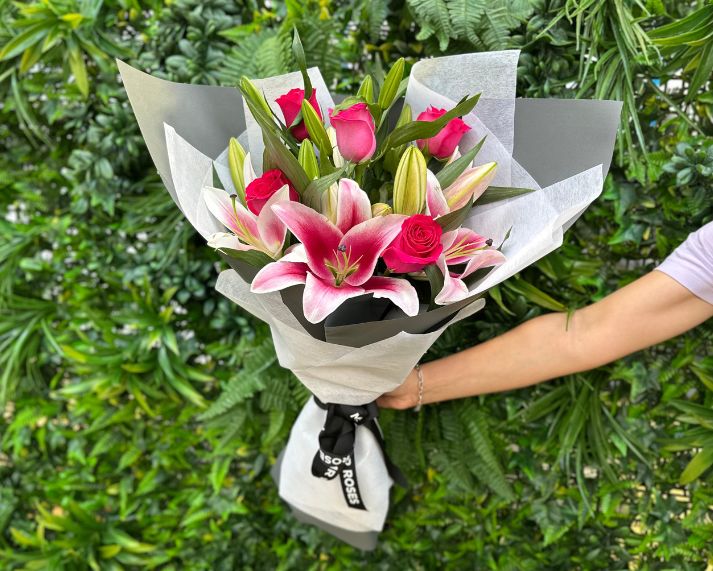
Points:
(691, 264)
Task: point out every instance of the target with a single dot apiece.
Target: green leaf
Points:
(26, 39)
(497, 193)
(533, 294)
(253, 257)
(281, 157)
(388, 91)
(313, 193)
(427, 129)
(454, 220)
(698, 464)
(299, 54)
(449, 173)
(79, 69)
(436, 281)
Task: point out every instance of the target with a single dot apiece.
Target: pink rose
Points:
(259, 191)
(291, 104)
(355, 133)
(445, 142)
(418, 245)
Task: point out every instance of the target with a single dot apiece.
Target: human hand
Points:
(402, 397)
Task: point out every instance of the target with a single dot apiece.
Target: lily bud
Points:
(337, 157)
(329, 202)
(308, 159)
(410, 183)
(236, 160)
(470, 185)
(380, 209)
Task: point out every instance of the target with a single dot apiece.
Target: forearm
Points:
(533, 352)
(646, 312)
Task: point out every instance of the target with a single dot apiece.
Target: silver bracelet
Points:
(419, 374)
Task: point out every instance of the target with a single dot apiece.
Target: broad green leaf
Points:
(436, 281)
(299, 54)
(454, 220)
(497, 193)
(698, 464)
(449, 173)
(427, 129)
(24, 40)
(390, 88)
(253, 257)
(533, 294)
(280, 156)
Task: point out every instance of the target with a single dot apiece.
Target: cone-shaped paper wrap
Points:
(560, 148)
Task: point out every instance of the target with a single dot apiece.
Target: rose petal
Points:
(322, 297)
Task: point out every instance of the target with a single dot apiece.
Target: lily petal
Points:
(322, 297)
(465, 245)
(248, 171)
(399, 291)
(279, 275)
(436, 204)
(454, 289)
(295, 253)
(320, 237)
(353, 206)
(483, 259)
(225, 241)
(272, 229)
(239, 219)
(365, 242)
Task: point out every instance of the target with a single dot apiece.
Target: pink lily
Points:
(335, 265)
(264, 232)
(463, 246)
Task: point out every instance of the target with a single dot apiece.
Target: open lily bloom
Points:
(367, 345)
(264, 232)
(336, 263)
(461, 246)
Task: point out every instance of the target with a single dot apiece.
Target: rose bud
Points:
(417, 246)
(259, 191)
(291, 103)
(445, 142)
(410, 182)
(355, 132)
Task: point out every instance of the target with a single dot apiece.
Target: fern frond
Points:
(477, 431)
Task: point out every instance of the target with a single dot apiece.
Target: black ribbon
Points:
(335, 456)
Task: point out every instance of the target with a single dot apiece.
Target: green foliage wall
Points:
(141, 411)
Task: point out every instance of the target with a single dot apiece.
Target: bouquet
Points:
(360, 230)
